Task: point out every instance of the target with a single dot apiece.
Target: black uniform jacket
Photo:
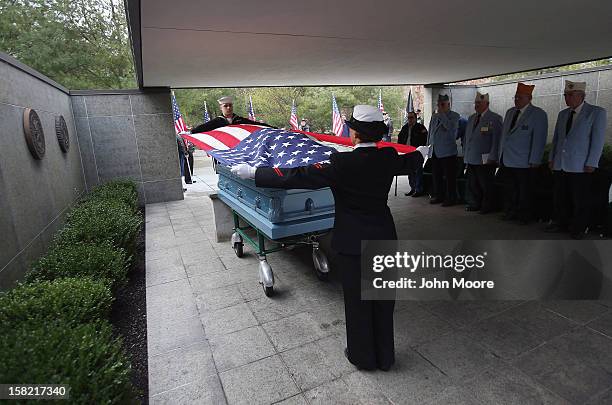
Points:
(360, 181)
(221, 121)
(417, 138)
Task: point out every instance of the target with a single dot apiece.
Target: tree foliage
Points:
(273, 104)
(81, 44)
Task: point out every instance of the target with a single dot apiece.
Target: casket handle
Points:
(239, 193)
(257, 202)
(309, 206)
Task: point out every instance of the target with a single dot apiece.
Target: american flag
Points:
(337, 123)
(206, 116)
(230, 136)
(409, 106)
(293, 120)
(380, 103)
(179, 124)
(270, 147)
(251, 110)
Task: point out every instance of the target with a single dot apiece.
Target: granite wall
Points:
(35, 195)
(129, 134)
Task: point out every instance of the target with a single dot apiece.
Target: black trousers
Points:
(441, 168)
(518, 192)
(480, 183)
(189, 171)
(572, 199)
(369, 324)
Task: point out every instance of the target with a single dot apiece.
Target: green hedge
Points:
(97, 260)
(97, 220)
(54, 328)
(118, 190)
(85, 357)
(69, 300)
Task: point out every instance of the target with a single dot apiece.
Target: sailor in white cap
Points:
(227, 117)
(482, 135)
(360, 181)
(576, 149)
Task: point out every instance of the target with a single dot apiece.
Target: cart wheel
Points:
(266, 277)
(321, 264)
(238, 249)
(269, 291)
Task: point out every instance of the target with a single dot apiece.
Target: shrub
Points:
(70, 300)
(102, 220)
(100, 261)
(84, 357)
(118, 190)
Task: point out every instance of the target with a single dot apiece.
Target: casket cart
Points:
(281, 218)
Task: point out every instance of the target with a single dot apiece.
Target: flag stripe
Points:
(212, 142)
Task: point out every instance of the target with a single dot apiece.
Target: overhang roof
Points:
(246, 43)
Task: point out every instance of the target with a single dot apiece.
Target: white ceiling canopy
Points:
(246, 43)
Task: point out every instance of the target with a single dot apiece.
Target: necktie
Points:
(568, 126)
(516, 114)
(476, 122)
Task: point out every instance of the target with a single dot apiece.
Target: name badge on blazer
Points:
(484, 129)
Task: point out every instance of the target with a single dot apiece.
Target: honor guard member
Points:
(482, 135)
(521, 147)
(576, 149)
(414, 134)
(443, 152)
(360, 181)
(227, 117)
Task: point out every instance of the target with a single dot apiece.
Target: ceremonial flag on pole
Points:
(206, 116)
(179, 124)
(293, 120)
(336, 118)
(380, 103)
(251, 110)
(409, 106)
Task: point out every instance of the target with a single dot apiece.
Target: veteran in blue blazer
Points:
(443, 152)
(576, 149)
(482, 135)
(523, 139)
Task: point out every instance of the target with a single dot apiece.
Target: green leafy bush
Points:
(97, 220)
(118, 190)
(85, 357)
(100, 261)
(70, 300)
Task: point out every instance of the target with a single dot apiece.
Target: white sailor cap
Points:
(574, 86)
(482, 97)
(226, 100)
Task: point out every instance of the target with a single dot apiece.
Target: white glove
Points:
(424, 151)
(244, 171)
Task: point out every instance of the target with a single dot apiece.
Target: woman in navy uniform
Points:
(360, 181)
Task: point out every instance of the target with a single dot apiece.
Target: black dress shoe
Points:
(472, 209)
(449, 203)
(436, 201)
(409, 194)
(418, 194)
(184, 189)
(385, 368)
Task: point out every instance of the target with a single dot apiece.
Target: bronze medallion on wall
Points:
(33, 130)
(61, 130)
